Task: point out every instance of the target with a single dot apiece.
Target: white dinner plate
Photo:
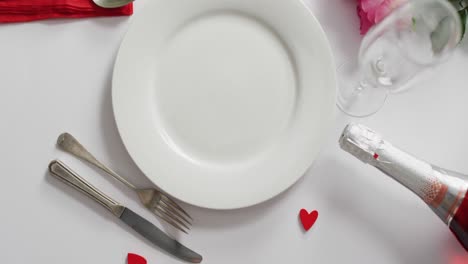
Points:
(224, 104)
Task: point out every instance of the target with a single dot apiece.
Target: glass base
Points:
(356, 97)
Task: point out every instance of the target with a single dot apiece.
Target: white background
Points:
(55, 77)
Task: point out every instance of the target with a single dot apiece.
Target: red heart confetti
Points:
(308, 220)
(135, 259)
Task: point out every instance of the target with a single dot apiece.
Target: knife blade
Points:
(142, 226)
(158, 237)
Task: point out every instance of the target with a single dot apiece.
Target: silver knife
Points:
(138, 223)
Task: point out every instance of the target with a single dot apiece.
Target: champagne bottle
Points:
(444, 191)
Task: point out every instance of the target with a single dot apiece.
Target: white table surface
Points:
(55, 77)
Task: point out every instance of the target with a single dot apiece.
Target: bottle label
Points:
(433, 191)
(416, 175)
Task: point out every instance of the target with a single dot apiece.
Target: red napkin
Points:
(29, 10)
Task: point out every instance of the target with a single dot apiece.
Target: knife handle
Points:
(59, 170)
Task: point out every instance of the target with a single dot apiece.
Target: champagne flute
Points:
(412, 38)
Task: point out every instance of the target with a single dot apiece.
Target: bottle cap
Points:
(360, 141)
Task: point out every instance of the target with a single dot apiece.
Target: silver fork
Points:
(157, 202)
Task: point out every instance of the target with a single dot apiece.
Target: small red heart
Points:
(135, 259)
(308, 220)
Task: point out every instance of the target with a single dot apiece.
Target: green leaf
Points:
(463, 15)
(459, 4)
(462, 7)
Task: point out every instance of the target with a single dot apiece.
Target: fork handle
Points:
(71, 145)
(71, 178)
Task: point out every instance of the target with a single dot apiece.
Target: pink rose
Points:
(372, 12)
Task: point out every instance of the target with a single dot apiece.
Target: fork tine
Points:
(174, 211)
(164, 211)
(168, 220)
(169, 200)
